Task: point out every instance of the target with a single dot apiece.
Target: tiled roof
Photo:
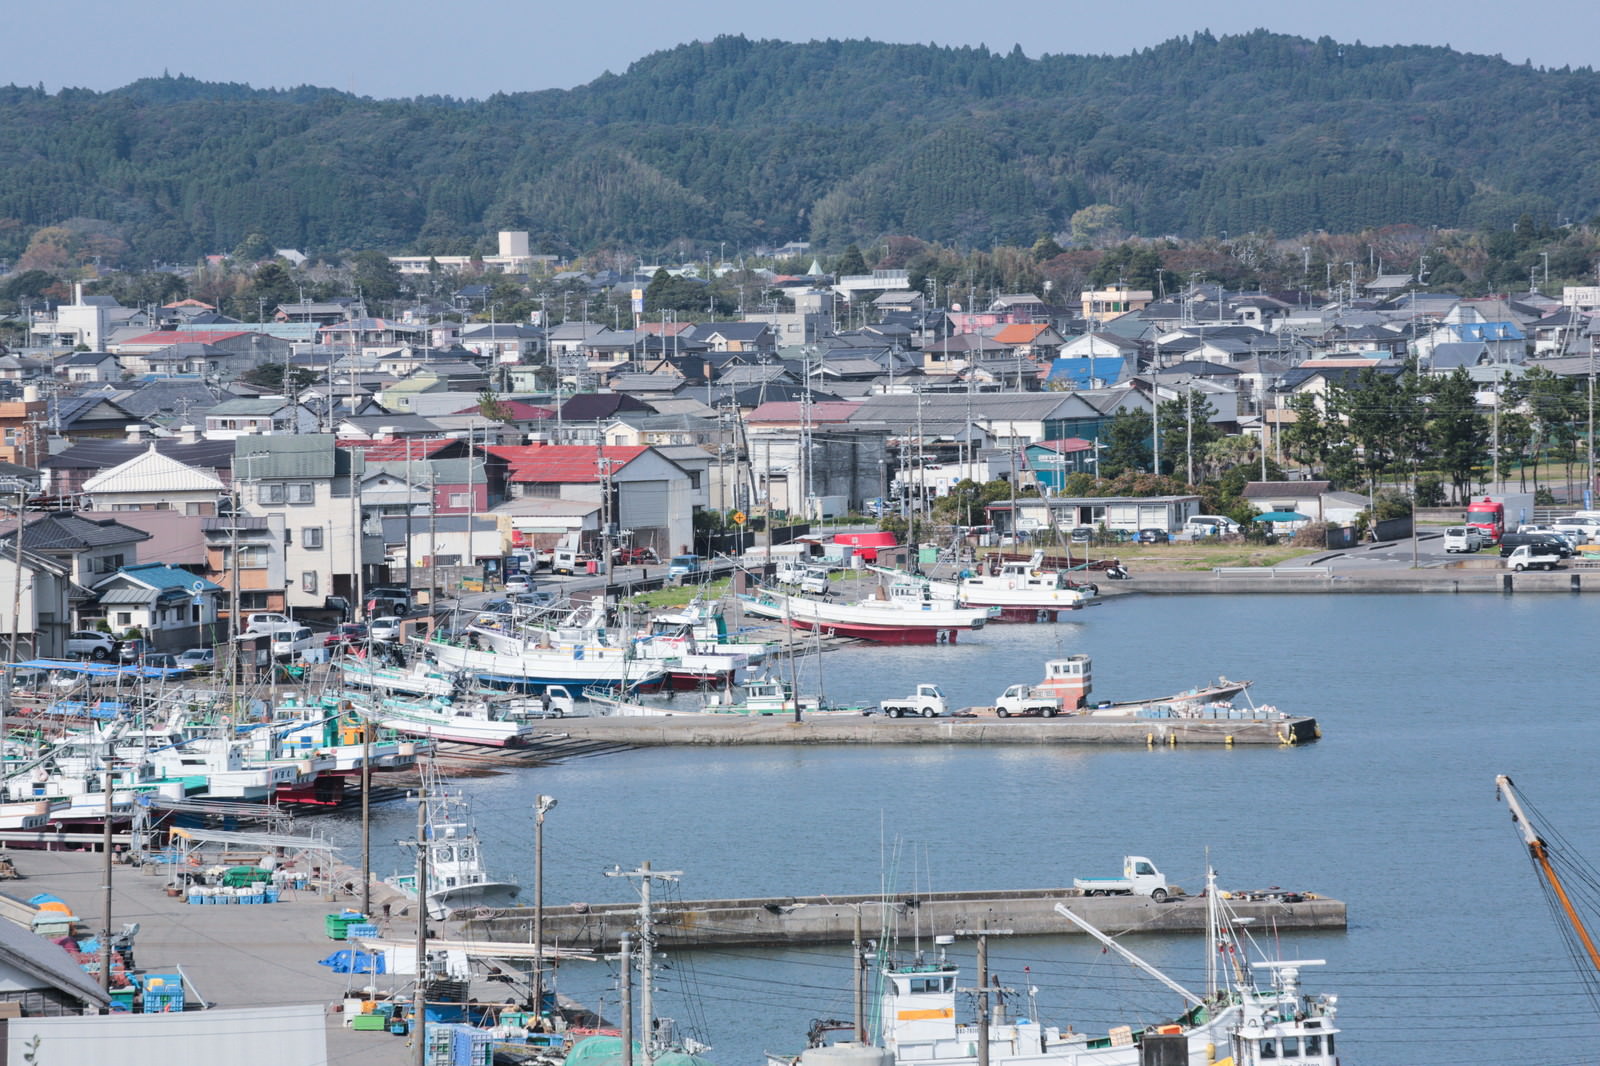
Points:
(521, 410)
(1066, 446)
(166, 337)
(1020, 333)
(162, 576)
(391, 449)
(563, 464)
(787, 411)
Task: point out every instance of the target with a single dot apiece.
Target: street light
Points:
(541, 805)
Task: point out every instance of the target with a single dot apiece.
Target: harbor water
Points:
(1452, 955)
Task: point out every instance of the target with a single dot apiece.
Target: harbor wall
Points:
(832, 919)
(1271, 580)
(693, 729)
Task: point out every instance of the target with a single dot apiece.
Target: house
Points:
(38, 979)
(153, 481)
(637, 488)
(90, 367)
(22, 429)
(68, 470)
(1099, 305)
(1037, 516)
(444, 540)
(91, 415)
(1032, 340)
(263, 415)
(312, 487)
(89, 548)
(1087, 372)
(245, 556)
(43, 599)
(173, 609)
(1050, 461)
(756, 337)
(1301, 497)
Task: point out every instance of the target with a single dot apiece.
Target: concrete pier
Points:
(842, 728)
(831, 919)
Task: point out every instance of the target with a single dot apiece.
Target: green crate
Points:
(370, 1023)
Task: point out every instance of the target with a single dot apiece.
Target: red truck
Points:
(1489, 517)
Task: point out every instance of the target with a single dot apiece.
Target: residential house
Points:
(22, 429)
(151, 481)
(1300, 497)
(648, 493)
(171, 608)
(312, 485)
(43, 599)
(245, 556)
(68, 470)
(1032, 340)
(1051, 461)
(1100, 305)
(242, 348)
(1087, 372)
(90, 368)
(89, 549)
(443, 540)
(90, 415)
(1036, 517)
(259, 416)
(755, 337)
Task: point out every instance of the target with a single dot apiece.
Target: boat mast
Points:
(1541, 858)
(1061, 909)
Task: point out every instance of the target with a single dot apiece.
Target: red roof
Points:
(1020, 333)
(562, 463)
(398, 449)
(162, 338)
(1067, 445)
(521, 411)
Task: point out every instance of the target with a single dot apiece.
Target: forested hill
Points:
(742, 141)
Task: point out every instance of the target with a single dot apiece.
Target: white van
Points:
(1467, 539)
(290, 643)
(1209, 525)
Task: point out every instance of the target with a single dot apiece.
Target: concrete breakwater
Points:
(691, 729)
(832, 919)
(1317, 579)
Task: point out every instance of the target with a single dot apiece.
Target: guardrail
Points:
(1272, 571)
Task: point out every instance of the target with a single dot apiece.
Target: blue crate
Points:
(362, 929)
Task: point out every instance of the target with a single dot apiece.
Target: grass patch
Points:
(680, 596)
(1205, 556)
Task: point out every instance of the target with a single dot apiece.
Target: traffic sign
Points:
(738, 518)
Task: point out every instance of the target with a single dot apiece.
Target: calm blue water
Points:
(1451, 956)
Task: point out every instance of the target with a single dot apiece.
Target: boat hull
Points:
(534, 670)
(878, 634)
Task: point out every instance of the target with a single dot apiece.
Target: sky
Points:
(473, 48)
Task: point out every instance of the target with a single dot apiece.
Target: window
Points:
(460, 499)
(544, 489)
(1269, 1049)
(308, 581)
(255, 601)
(301, 492)
(311, 538)
(251, 557)
(271, 493)
(105, 564)
(1291, 1047)
(124, 618)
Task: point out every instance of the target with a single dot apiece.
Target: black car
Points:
(1510, 542)
(1153, 535)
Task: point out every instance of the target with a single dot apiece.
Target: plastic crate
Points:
(360, 929)
(369, 1023)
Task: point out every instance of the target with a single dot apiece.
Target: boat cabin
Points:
(1019, 575)
(1071, 679)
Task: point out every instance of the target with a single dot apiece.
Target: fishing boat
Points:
(454, 855)
(470, 720)
(1025, 591)
(1238, 1021)
(895, 614)
(521, 663)
(1071, 679)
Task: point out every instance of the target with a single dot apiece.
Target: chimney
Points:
(188, 434)
(30, 394)
(136, 433)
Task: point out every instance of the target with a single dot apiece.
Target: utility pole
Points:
(982, 990)
(625, 954)
(105, 927)
(541, 805)
(419, 1008)
(647, 942)
(859, 983)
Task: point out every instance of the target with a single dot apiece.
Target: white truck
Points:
(1022, 700)
(928, 703)
(1139, 878)
(1533, 557)
(812, 579)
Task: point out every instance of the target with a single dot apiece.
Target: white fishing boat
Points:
(1015, 590)
(470, 720)
(895, 614)
(454, 855)
(579, 653)
(1237, 1021)
(418, 679)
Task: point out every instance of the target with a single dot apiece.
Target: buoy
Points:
(1227, 741)
(1149, 740)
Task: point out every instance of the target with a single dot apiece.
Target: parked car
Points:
(1152, 535)
(1463, 539)
(132, 649)
(161, 660)
(385, 629)
(518, 584)
(1082, 534)
(198, 659)
(633, 556)
(344, 635)
(1209, 525)
(290, 643)
(88, 643)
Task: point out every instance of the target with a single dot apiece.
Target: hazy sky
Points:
(472, 48)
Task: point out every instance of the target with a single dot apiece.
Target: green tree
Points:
(374, 276)
(1134, 265)
(253, 248)
(1309, 436)
(1127, 444)
(492, 407)
(1186, 430)
(1457, 434)
(270, 286)
(1045, 248)
(271, 376)
(851, 262)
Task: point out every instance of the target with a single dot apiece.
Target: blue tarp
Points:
(352, 961)
(94, 669)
